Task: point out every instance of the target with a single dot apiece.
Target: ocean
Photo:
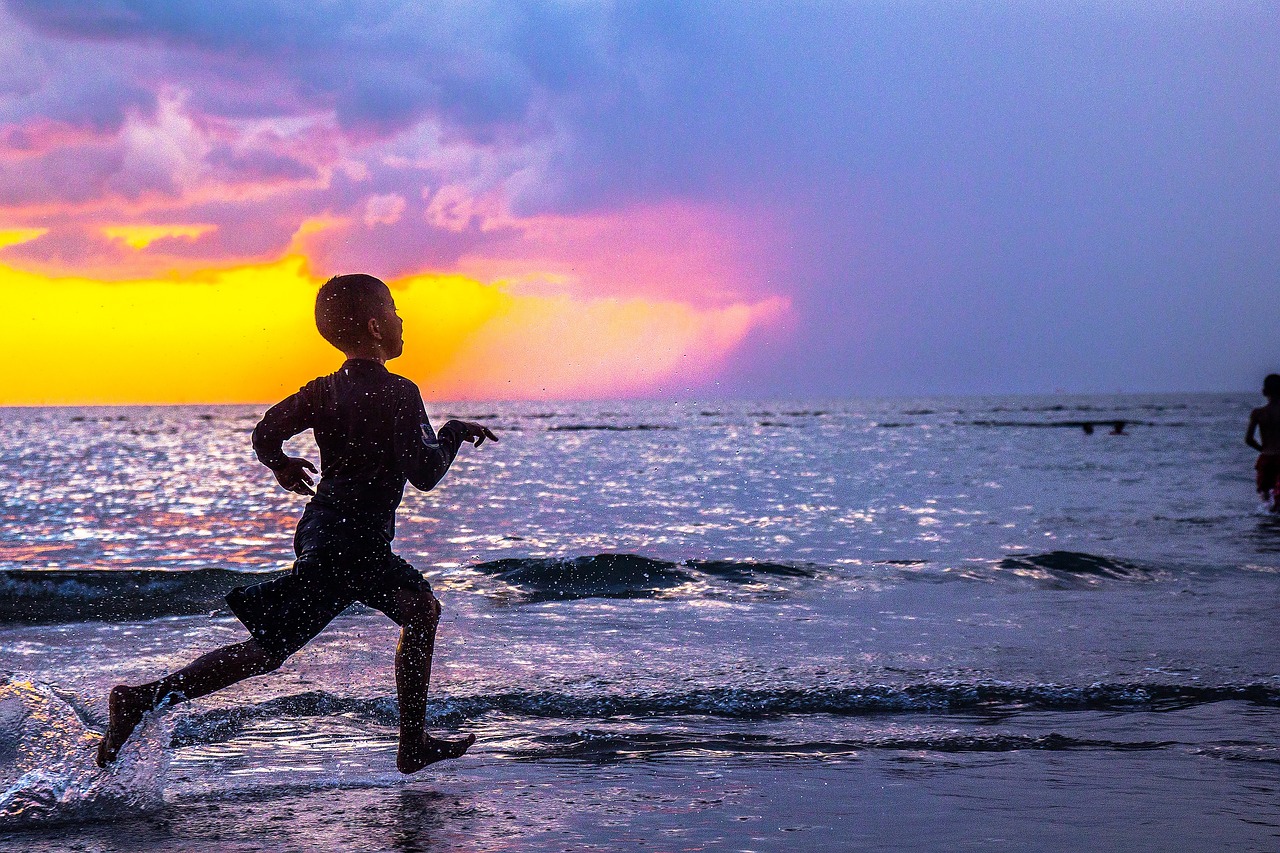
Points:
(944, 623)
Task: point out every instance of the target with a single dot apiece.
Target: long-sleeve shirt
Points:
(373, 434)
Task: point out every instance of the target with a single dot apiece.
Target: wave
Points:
(604, 746)
(624, 575)
(52, 596)
(748, 571)
(1076, 563)
(635, 576)
(601, 576)
(608, 427)
(737, 704)
(1084, 407)
(34, 596)
(1094, 422)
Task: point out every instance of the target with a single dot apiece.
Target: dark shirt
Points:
(373, 434)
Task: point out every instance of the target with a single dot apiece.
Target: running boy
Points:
(1266, 421)
(373, 435)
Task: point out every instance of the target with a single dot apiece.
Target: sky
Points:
(606, 199)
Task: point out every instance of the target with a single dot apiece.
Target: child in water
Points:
(373, 435)
(1264, 421)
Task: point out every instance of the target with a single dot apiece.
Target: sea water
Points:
(958, 623)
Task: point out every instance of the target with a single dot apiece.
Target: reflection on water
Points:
(1266, 535)
(178, 487)
(830, 625)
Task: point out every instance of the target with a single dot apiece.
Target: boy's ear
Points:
(374, 328)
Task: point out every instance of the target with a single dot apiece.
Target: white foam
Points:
(48, 772)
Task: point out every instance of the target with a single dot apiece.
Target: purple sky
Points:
(954, 197)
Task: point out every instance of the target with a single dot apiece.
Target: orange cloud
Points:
(562, 347)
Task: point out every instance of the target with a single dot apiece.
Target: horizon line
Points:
(658, 399)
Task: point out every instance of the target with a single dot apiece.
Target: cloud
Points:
(700, 253)
(164, 160)
(451, 207)
(64, 85)
(383, 209)
(142, 236)
(378, 67)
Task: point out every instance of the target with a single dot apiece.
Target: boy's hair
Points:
(344, 305)
(1271, 385)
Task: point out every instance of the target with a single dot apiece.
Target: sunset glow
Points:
(247, 335)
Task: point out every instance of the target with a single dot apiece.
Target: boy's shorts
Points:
(338, 562)
(1268, 469)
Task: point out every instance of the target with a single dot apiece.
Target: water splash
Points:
(47, 769)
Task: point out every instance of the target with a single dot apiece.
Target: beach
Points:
(904, 624)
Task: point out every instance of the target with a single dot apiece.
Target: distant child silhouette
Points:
(373, 434)
(1264, 421)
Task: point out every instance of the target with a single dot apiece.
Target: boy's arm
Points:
(1250, 434)
(423, 454)
(283, 421)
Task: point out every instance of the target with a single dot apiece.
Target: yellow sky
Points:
(246, 334)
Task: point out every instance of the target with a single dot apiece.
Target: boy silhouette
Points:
(1265, 420)
(373, 434)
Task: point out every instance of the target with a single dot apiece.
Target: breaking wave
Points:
(736, 704)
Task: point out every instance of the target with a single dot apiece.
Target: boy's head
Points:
(1271, 386)
(357, 315)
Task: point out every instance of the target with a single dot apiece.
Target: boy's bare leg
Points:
(206, 674)
(413, 675)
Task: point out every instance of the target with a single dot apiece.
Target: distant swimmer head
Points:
(357, 315)
(1271, 386)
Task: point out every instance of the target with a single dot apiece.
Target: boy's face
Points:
(392, 328)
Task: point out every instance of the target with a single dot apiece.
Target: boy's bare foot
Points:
(126, 706)
(429, 750)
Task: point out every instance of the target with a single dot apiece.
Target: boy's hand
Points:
(473, 432)
(293, 476)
